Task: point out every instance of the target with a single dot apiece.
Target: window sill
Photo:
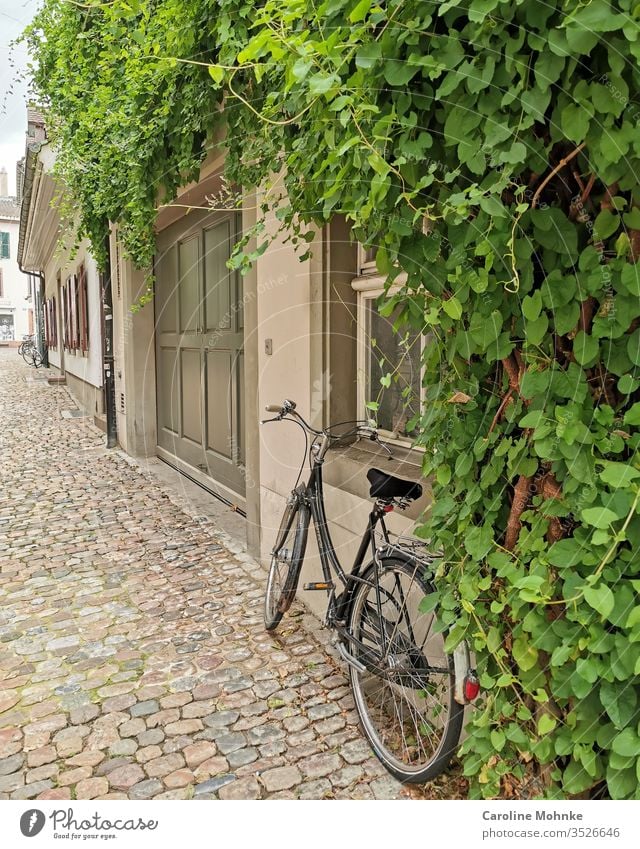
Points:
(345, 468)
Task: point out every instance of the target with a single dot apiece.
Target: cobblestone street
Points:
(133, 658)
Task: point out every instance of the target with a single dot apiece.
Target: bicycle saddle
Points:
(387, 486)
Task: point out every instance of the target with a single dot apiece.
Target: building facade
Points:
(66, 279)
(16, 312)
(196, 367)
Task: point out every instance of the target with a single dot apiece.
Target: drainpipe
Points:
(107, 350)
(39, 299)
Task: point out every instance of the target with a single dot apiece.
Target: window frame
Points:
(83, 309)
(5, 239)
(368, 288)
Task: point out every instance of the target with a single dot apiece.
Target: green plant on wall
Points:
(490, 150)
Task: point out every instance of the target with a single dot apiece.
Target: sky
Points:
(14, 16)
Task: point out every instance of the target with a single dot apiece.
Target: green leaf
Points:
(632, 219)
(535, 330)
(599, 517)
(630, 277)
(368, 54)
(633, 347)
(606, 224)
(632, 416)
(321, 83)
(618, 474)
(493, 206)
(531, 305)
(360, 11)
(216, 73)
(585, 348)
(566, 553)
(626, 743)
(546, 724)
(532, 419)
(526, 655)
(620, 703)
(600, 598)
(443, 475)
(429, 603)
(398, 73)
(452, 307)
(574, 121)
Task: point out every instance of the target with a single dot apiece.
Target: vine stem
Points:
(500, 410)
(559, 167)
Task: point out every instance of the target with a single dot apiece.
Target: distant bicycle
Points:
(409, 692)
(29, 352)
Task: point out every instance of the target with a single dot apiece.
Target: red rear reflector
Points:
(388, 508)
(471, 687)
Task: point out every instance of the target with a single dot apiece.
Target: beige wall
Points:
(82, 369)
(306, 310)
(134, 356)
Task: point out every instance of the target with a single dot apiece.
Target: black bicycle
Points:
(30, 353)
(409, 693)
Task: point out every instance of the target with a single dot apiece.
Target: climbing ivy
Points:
(490, 151)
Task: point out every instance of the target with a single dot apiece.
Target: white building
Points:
(68, 280)
(16, 314)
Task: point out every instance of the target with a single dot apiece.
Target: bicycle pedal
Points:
(320, 585)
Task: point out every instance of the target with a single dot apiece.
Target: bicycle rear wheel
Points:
(405, 696)
(286, 563)
(36, 358)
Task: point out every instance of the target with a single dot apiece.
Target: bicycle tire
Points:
(407, 751)
(26, 355)
(36, 358)
(286, 563)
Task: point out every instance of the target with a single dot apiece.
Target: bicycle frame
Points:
(309, 498)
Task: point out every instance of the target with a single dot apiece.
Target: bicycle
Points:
(30, 353)
(409, 693)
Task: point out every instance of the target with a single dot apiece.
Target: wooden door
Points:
(199, 356)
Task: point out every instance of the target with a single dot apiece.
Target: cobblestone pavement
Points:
(133, 658)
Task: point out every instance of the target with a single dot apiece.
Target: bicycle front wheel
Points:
(405, 696)
(286, 563)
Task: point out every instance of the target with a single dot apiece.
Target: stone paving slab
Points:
(133, 658)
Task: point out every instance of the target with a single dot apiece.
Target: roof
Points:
(31, 158)
(9, 208)
(34, 116)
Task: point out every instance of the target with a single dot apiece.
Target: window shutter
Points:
(84, 310)
(54, 322)
(4, 246)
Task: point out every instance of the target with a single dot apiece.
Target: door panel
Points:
(191, 395)
(219, 410)
(199, 343)
(189, 285)
(218, 278)
(168, 400)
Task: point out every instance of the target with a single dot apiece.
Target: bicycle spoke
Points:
(405, 698)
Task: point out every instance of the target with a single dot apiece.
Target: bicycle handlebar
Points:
(289, 408)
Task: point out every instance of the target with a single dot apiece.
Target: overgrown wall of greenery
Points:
(491, 150)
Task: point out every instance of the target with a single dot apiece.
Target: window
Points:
(83, 309)
(367, 260)
(50, 323)
(5, 246)
(76, 312)
(389, 365)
